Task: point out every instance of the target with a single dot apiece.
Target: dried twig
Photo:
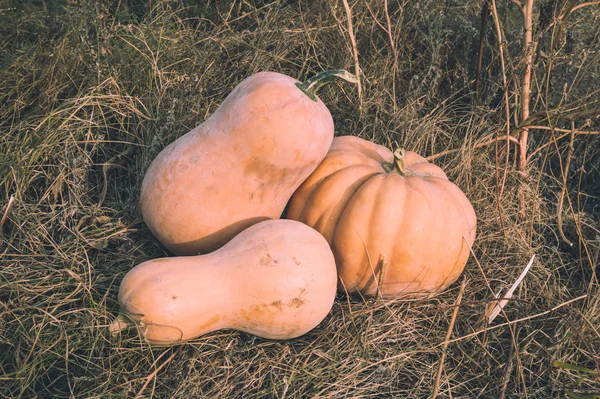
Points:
(500, 183)
(511, 322)
(5, 216)
(507, 369)
(527, 11)
(560, 22)
(517, 3)
(436, 385)
(388, 31)
(567, 116)
(354, 49)
(116, 161)
(556, 139)
(155, 372)
(574, 131)
(589, 3)
(485, 11)
(497, 306)
(525, 98)
(479, 145)
(393, 45)
(565, 174)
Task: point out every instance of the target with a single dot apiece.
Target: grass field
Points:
(91, 91)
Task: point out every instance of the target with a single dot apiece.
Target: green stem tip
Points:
(313, 84)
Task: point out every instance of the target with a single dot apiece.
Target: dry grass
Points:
(90, 93)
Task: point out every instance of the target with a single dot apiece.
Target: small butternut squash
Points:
(240, 166)
(397, 226)
(276, 279)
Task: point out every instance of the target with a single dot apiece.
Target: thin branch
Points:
(583, 113)
(502, 64)
(561, 22)
(556, 129)
(562, 136)
(388, 31)
(155, 372)
(500, 185)
(485, 143)
(526, 83)
(565, 174)
(375, 17)
(438, 377)
(485, 11)
(389, 28)
(507, 369)
(540, 148)
(354, 49)
(589, 3)
(393, 45)
(517, 3)
(568, 116)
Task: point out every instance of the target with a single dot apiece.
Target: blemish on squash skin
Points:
(296, 261)
(174, 297)
(208, 323)
(278, 304)
(296, 303)
(259, 315)
(267, 260)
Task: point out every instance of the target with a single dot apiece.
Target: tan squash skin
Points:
(410, 236)
(276, 280)
(238, 167)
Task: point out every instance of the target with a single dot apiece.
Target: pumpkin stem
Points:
(313, 84)
(399, 163)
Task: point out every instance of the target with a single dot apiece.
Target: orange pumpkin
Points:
(241, 165)
(395, 223)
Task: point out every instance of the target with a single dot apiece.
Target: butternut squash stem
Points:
(313, 84)
(400, 168)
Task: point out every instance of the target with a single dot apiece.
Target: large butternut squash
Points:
(276, 279)
(240, 166)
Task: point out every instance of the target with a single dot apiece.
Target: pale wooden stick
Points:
(527, 11)
(493, 312)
